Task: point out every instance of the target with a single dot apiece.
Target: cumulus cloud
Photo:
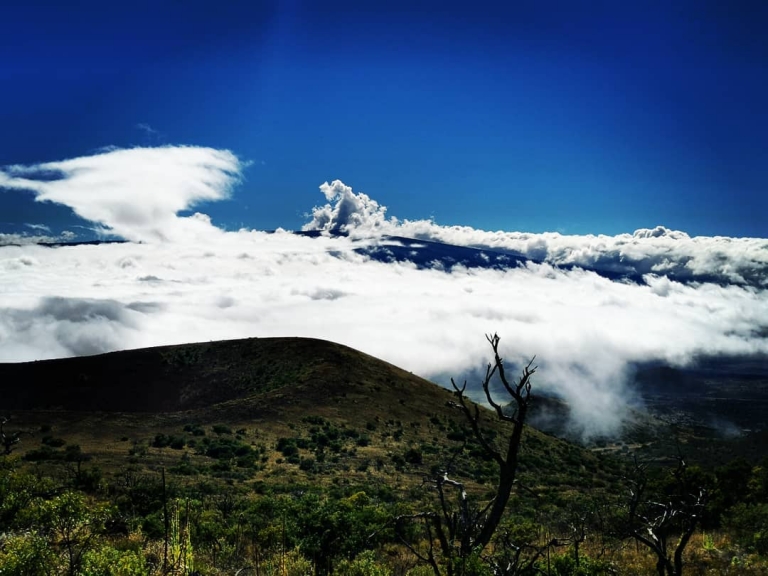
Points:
(646, 251)
(586, 330)
(134, 193)
(347, 211)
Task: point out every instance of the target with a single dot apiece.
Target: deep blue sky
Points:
(580, 117)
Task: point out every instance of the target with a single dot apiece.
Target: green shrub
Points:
(456, 435)
(287, 446)
(177, 443)
(413, 456)
(398, 461)
(108, 561)
(194, 429)
(42, 454)
(161, 441)
(316, 420)
(26, 555)
(364, 564)
(53, 442)
(748, 525)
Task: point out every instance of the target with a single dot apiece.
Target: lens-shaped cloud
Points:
(134, 193)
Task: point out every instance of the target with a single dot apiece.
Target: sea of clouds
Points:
(181, 279)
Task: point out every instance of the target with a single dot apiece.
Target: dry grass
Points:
(707, 554)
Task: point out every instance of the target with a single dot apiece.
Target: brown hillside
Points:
(193, 376)
(352, 417)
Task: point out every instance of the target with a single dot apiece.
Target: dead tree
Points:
(461, 528)
(665, 523)
(9, 440)
(513, 558)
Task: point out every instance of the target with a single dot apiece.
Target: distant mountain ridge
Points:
(432, 254)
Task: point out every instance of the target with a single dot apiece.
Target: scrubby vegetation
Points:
(133, 524)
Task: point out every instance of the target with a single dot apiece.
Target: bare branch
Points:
(8, 440)
(473, 417)
(458, 526)
(653, 523)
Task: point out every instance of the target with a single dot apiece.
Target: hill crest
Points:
(191, 376)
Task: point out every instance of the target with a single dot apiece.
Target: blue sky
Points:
(580, 117)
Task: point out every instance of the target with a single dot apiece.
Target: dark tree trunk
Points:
(473, 531)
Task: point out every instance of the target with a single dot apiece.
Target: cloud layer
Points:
(585, 329)
(646, 251)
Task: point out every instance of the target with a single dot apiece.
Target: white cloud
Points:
(40, 227)
(134, 193)
(658, 250)
(347, 211)
(19, 239)
(586, 330)
(47, 238)
(147, 129)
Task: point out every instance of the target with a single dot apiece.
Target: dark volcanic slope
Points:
(268, 388)
(189, 376)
